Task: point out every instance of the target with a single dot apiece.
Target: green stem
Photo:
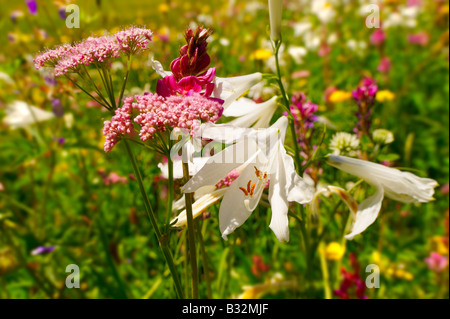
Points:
(325, 275)
(191, 235)
(23, 262)
(286, 104)
(125, 80)
(100, 94)
(205, 262)
(90, 95)
(171, 188)
(110, 261)
(163, 245)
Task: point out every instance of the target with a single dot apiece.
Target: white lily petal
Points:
(236, 206)
(242, 106)
(202, 191)
(401, 186)
(199, 206)
(255, 115)
(156, 65)
(300, 190)
(230, 89)
(278, 194)
(367, 212)
(346, 198)
(194, 166)
(223, 133)
(219, 165)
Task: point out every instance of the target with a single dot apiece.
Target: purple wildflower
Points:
(62, 13)
(42, 250)
(57, 107)
(32, 6)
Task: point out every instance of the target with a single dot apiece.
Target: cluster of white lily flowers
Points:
(256, 157)
(256, 151)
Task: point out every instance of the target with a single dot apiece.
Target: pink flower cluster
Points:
(51, 57)
(133, 40)
(67, 58)
(367, 90)
(155, 114)
(92, 50)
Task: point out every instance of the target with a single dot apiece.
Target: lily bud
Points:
(275, 13)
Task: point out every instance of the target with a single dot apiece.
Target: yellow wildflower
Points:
(163, 8)
(272, 285)
(334, 251)
(339, 96)
(438, 245)
(261, 54)
(385, 96)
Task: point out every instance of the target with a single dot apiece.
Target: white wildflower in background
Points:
(344, 143)
(383, 136)
(19, 114)
(324, 10)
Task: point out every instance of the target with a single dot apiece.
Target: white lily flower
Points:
(395, 184)
(261, 156)
(251, 114)
(19, 114)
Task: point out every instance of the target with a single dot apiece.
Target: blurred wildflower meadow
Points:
(357, 93)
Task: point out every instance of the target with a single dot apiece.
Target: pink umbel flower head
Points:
(120, 125)
(94, 50)
(50, 58)
(133, 40)
(157, 114)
